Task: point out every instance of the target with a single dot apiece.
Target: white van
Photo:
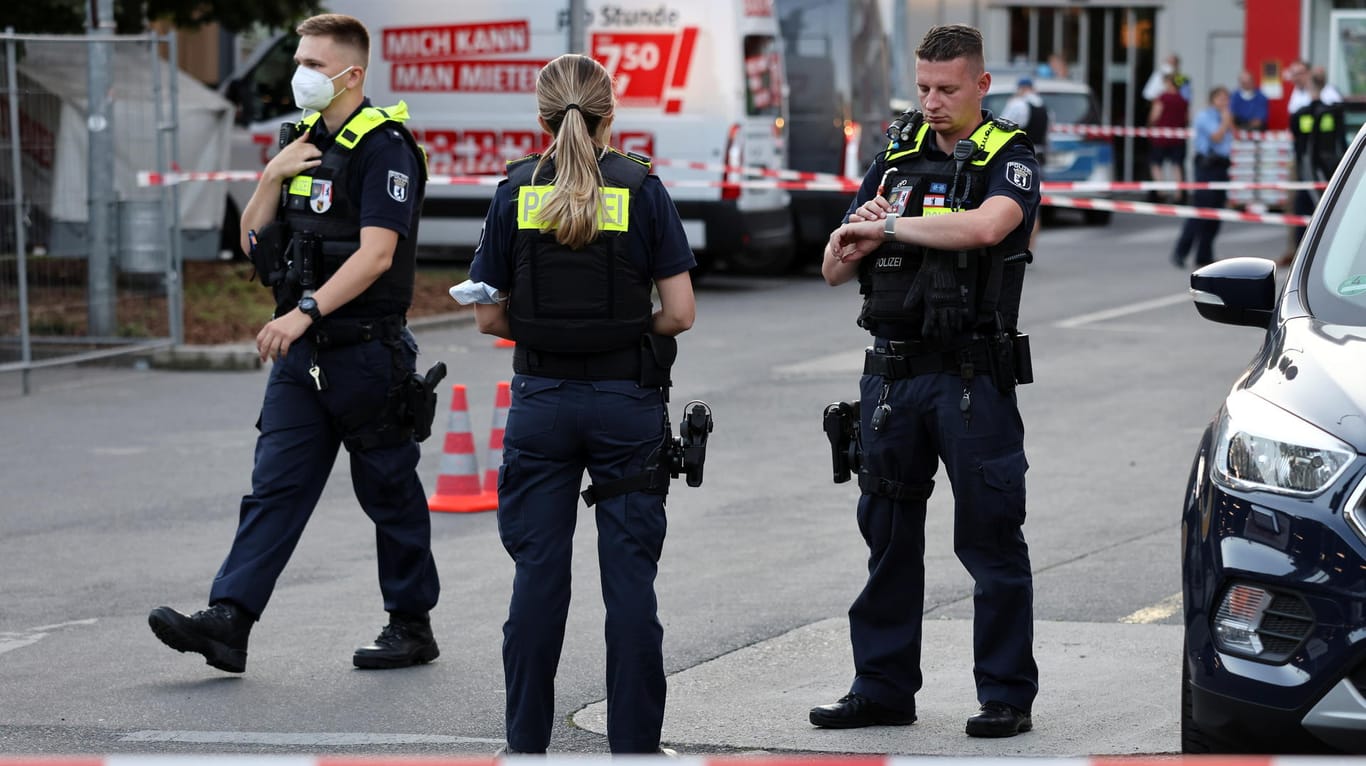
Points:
(699, 89)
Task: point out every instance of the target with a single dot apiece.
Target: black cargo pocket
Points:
(534, 408)
(510, 526)
(1006, 475)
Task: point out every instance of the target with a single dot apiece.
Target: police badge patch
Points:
(398, 186)
(320, 196)
(1020, 175)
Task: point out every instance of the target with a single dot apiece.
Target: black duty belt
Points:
(891, 364)
(338, 332)
(623, 364)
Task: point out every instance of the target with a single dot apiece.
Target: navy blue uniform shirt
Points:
(381, 154)
(1002, 179)
(657, 242)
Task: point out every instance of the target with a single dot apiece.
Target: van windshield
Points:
(264, 93)
(763, 76)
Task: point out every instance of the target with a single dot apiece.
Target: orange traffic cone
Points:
(503, 343)
(457, 485)
(502, 400)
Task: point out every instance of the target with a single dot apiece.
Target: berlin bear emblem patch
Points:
(1020, 175)
(398, 186)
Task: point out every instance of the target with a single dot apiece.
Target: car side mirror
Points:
(1238, 291)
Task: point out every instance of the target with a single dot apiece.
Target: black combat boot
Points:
(406, 640)
(219, 633)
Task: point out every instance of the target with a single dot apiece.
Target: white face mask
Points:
(313, 89)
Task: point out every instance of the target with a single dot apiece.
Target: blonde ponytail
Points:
(574, 97)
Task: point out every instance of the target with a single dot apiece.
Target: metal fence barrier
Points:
(89, 262)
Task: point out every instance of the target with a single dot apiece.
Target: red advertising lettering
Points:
(647, 67)
(493, 76)
(456, 41)
(759, 8)
(486, 152)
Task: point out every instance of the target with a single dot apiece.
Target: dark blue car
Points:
(1273, 528)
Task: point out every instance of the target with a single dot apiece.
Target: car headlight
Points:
(1263, 447)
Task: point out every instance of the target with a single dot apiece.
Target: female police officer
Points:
(573, 239)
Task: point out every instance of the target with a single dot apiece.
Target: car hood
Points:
(1315, 370)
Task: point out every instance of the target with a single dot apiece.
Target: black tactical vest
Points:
(591, 300)
(318, 204)
(917, 185)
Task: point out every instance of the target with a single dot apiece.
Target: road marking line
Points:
(10, 641)
(1119, 311)
(1159, 611)
(306, 739)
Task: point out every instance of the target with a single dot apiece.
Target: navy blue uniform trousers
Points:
(1201, 232)
(985, 462)
(297, 447)
(556, 429)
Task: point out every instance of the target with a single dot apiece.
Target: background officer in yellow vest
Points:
(938, 237)
(332, 227)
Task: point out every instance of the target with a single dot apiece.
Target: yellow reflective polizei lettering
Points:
(614, 214)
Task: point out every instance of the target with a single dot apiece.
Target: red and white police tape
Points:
(604, 760)
(1142, 132)
(813, 182)
(1177, 211)
(148, 178)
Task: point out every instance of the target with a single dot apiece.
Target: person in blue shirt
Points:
(1248, 104)
(573, 242)
(1213, 145)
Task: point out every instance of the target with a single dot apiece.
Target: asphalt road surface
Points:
(121, 488)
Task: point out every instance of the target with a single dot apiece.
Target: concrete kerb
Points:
(243, 356)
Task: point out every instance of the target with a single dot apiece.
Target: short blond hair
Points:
(346, 31)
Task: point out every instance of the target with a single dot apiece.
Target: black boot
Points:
(407, 640)
(219, 633)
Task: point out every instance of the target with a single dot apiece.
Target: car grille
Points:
(1284, 627)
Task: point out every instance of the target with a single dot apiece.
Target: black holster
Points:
(841, 422)
(268, 254)
(418, 400)
(1011, 364)
(657, 355)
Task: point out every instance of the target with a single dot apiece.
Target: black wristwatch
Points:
(310, 307)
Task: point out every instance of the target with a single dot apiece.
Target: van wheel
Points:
(767, 262)
(1097, 217)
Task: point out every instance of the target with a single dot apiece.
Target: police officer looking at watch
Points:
(937, 238)
(338, 210)
(573, 241)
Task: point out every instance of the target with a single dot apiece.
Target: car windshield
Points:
(1063, 108)
(1335, 288)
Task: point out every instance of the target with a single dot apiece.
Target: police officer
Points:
(573, 240)
(937, 238)
(338, 211)
(1320, 141)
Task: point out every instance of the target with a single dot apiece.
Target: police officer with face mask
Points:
(332, 228)
(937, 238)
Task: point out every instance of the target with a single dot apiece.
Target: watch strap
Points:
(889, 228)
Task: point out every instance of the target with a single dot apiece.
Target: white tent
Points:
(54, 81)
